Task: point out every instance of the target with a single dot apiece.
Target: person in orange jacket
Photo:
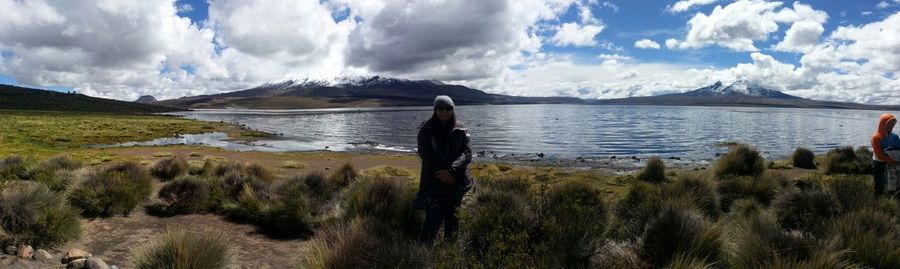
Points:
(883, 139)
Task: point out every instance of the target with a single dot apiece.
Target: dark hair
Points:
(435, 120)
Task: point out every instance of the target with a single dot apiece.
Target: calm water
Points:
(564, 131)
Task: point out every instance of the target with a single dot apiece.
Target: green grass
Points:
(47, 132)
(116, 190)
(31, 213)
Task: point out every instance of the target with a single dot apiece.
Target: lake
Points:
(559, 131)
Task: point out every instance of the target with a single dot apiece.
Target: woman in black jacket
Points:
(443, 146)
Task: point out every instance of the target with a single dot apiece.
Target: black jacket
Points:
(454, 155)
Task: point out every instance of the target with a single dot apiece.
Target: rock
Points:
(25, 252)
(76, 264)
(11, 250)
(113, 267)
(95, 263)
(42, 255)
(75, 254)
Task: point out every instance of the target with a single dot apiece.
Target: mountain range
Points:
(367, 91)
(20, 98)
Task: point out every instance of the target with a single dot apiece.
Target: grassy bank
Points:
(43, 133)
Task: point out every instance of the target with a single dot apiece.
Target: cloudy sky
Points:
(829, 50)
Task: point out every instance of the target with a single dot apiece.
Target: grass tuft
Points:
(32, 214)
(742, 160)
(572, 219)
(184, 250)
(806, 210)
(183, 195)
(844, 160)
(804, 158)
(388, 202)
(116, 190)
(169, 168)
(654, 172)
(344, 175)
(871, 237)
(680, 232)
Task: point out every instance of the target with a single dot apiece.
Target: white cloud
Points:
(883, 5)
(572, 34)
(801, 37)
(684, 5)
(185, 8)
(646, 44)
(672, 43)
(627, 75)
(739, 24)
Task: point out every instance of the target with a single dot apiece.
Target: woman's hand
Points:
(445, 176)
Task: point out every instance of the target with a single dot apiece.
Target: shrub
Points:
(496, 225)
(53, 172)
(641, 204)
(852, 192)
(169, 168)
(13, 167)
(344, 175)
(757, 241)
(696, 192)
(805, 210)
(654, 172)
(572, 220)
(844, 160)
(249, 207)
(871, 237)
(763, 188)
(114, 191)
(741, 161)
(388, 202)
(180, 249)
(804, 158)
(184, 195)
(676, 231)
(32, 214)
(318, 185)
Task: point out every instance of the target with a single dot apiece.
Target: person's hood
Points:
(882, 125)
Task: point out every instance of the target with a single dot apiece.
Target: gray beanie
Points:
(443, 100)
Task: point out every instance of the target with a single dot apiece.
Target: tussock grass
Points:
(640, 204)
(53, 172)
(871, 236)
(852, 192)
(31, 213)
(357, 244)
(183, 195)
(845, 160)
(13, 167)
(388, 202)
(496, 225)
(695, 191)
(805, 210)
(654, 172)
(572, 219)
(184, 250)
(804, 158)
(680, 232)
(115, 190)
(757, 241)
(344, 175)
(742, 160)
(169, 168)
(763, 188)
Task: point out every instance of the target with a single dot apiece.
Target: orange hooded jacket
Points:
(882, 134)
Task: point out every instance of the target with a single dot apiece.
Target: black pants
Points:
(442, 213)
(878, 174)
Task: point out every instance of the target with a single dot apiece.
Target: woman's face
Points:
(444, 113)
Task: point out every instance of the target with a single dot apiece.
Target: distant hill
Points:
(739, 93)
(353, 91)
(146, 99)
(19, 98)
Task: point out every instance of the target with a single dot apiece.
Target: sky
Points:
(826, 50)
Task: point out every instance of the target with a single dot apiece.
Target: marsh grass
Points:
(756, 240)
(640, 204)
(872, 236)
(31, 213)
(806, 210)
(852, 192)
(116, 190)
(696, 191)
(184, 250)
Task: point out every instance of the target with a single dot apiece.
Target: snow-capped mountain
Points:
(353, 90)
(738, 88)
